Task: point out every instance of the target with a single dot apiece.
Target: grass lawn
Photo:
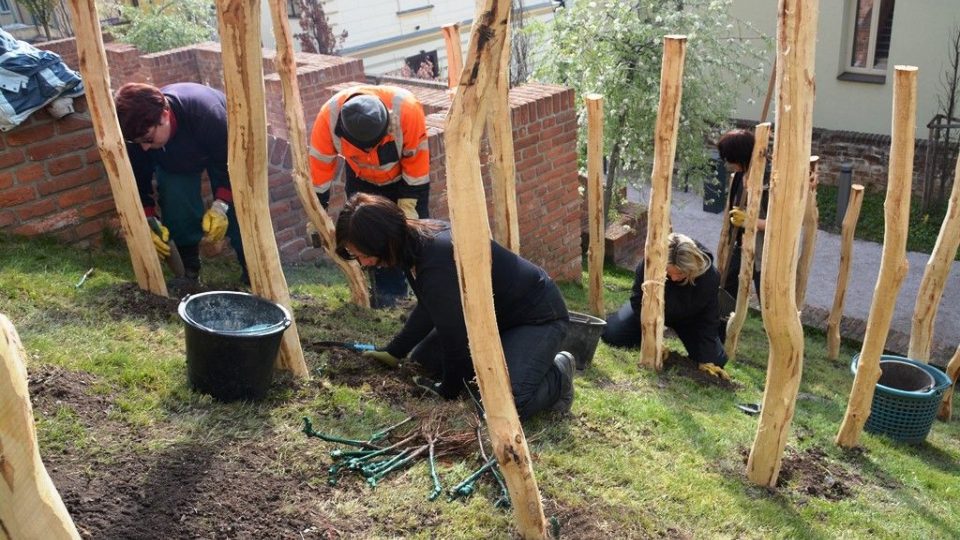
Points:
(136, 454)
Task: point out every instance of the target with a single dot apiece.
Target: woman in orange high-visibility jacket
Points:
(380, 134)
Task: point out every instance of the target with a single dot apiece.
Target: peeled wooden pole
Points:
(953, 371)
(754, 187)
(658, 214)
(296, 134)
(848, 229)
(471, 229)
(30, 506)
(113, 149)
(935, 276)
(451, 37)
(503, 165)
(594, 194)
(796, 39)
(727, 236)
(811, 222)
(893, 261)
(247, 162)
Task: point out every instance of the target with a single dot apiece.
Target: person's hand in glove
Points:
(409, 207)
(215, 221)
(383, 357)
(160, 236)
(715, 370)
(737, 216)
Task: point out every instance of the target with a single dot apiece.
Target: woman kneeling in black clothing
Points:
(691, 307)
(531, 314)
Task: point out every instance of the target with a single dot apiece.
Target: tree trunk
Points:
(503, 165)
(113, 149)
(613, 168)
(953, 371)
(471, 229)
(296, 132)
(893, 261)
(811, 221)
(935, 276)
(594, 195)
(247, 163)
(727, 236)
(658, 212)
(848, 229)
(796, 39)
(30, 506)
(754, 187)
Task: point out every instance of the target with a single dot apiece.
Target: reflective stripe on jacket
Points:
(403, 152)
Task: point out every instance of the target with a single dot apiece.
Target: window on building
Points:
(293, 9)
(423, 66)
(4, 6)
(868, 43)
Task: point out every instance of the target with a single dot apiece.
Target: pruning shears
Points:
(349, 345)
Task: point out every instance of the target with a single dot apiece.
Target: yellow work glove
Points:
(715, 370)
(383, 357)
(215, 221)
(160, 236)
(737, 216)
(409, 207)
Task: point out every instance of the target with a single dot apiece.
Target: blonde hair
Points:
(684, 253)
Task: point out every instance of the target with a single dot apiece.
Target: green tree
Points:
(615, 47)
(43, 12)
(161, 26)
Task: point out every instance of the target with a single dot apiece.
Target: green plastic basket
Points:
(905, 415)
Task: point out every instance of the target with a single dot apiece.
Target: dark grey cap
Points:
(364, 118)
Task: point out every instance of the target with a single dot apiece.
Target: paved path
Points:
(689, 218)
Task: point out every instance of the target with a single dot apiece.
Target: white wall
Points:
(920, 32)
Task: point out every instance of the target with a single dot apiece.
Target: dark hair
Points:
(736, 146)
(377, 227)
(139, 107)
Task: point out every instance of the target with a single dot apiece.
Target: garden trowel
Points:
(173, 260)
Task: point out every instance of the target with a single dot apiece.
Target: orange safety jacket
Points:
(407, 130)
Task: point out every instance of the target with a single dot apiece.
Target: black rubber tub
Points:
(583, 336)
(232, 342)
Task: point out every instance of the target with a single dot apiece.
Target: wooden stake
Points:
(658, 213)
(771, 84)
(754, 186)
(594, 195)
(848, 229)
(239, 23)
(727, 234)
(113, 149)
(296, 132)
(503, 165)
(893, 261)
(953, 371)
(471, 229)
(30, 506)
(935, 276)
(451, 37)
(811, 222)
(796, 39)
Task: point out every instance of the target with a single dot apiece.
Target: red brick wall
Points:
(52, 181)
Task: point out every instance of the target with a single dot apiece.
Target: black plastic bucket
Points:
(232, 342)
(583, 335)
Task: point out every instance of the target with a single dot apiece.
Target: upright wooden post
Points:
(30, 506)
(754, 187)
(296, 133)
(658, 213)
(727, 236)
(113, 149)
(893, 261)
(848, 229)
(811, 222)
(594, 195)
(247, 162)
(471, 229)
(451, 37)
(953, 371)
(503, 165)
(935, 276)
(796, 40)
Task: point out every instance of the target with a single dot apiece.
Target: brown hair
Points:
(378, 227)
(139, 107)
(736, 146)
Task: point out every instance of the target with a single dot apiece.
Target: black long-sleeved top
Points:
(686, 305)
(523, 294)
(198, 142)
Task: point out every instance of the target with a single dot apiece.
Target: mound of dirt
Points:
(811, 472)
